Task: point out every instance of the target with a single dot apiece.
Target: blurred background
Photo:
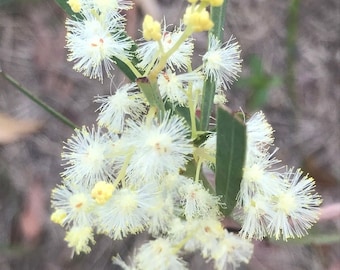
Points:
(291, 58)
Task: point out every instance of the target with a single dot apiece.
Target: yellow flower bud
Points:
(75, 5)
(151, 29)
(58, 216)
(102, 192)
(198, 20)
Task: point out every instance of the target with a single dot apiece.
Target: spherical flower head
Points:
(151, 29)
(111, 5)
(75, 5)
(105, 4)
(174, 87)
(102, 192)
(253, 173)
(58, 216)
(198, 20)
(86, 157)
(207, 150)
(198, 202)
(171, 184)
(73, 204)
(110, 8)
(165, 146)
(180, 59)
(220, 98)
(230, 251)
(93, 41)
(201, 234)
(127, 211)
(79, 238)
(259, 135)
(210, 143)
(296, 208)
(114, 109)
(222, 62)
(161, 214)
(260, 177)
(162, 253)
(171, 87)
(255, 216)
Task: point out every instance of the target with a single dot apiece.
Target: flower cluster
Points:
(272, 201)
(129, 173)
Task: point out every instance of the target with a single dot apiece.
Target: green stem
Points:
(198, 169)
(38, 101)
(192, 110)
(218, 17)
(192, 105)
(176, 248)
(132, 68)
(150, 65)
(164, 58)
(121, 176)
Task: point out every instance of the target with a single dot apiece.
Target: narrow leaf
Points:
(124, 68)
(151, 92)
(230, 156)
(218, 17)
(207, 102)
(66, 7)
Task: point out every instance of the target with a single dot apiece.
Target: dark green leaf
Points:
(66, 7)
(122, 66)
(151, 92)
(207, 103)
(218, 17)
(230, 156)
